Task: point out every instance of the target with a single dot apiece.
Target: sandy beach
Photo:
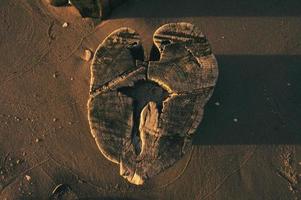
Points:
(246, 147)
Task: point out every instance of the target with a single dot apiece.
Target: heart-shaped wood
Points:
(187, 70)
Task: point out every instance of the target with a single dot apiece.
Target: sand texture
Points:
(246, 147)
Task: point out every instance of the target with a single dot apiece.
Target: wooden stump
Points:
(187, 70)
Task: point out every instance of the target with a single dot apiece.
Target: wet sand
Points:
(247, 146)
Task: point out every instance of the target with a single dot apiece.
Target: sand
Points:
(247, 146)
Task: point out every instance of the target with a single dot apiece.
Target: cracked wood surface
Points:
(186, 68)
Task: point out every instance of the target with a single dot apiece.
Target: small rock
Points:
(54, 75)
(28, 178)
(223, 37)
(107, 59)
(18, 161)
(88, 55)
(65, 24)
(71, 78)
(11, 164)
(37, 140)
(54, 119)
(70, 123)
(235, 120)
(23, 153)
(288, 84)
(217, 103)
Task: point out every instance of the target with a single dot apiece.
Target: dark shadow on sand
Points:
(110, 198)
(196, 8)
(263, 93)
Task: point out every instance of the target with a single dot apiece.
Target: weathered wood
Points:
(111, 121)
(186, 62)
(114, 59)
(187, 69)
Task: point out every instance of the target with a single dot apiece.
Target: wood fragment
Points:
(187, 70)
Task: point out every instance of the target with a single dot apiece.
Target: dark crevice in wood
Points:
(154, 54)
(142, 93)
(137, 51)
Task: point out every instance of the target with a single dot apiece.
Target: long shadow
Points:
(195, 8)
(257, 100)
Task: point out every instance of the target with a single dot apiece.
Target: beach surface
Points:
(246, 147)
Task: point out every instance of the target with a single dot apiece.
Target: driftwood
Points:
(187, 71)
(90, 8)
